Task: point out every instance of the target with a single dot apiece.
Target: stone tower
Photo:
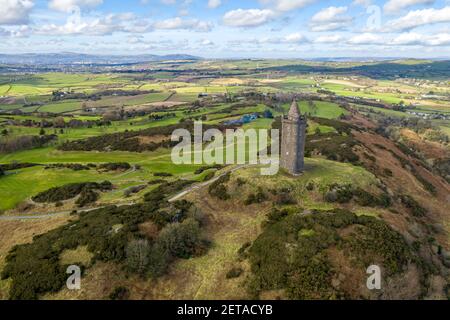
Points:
(293, 140)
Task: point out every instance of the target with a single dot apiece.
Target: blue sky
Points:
(229, 28)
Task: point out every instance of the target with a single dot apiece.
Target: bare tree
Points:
(137, 252)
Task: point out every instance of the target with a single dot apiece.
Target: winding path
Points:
(172, 199)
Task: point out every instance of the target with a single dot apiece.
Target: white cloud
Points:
(206, 43)
(367, 38)
(334, 38)
(169, 2)
(419, 18)
(69, 5)
(329, 14)
(248, 18)
(212, 4)
(439, 39)
(179, 23)
(411, 38)
(393, 6)
(294, 38)
(287, 5)
(408, 39)
(331, 18)
(20, 32)
(107, 25)
(364, 3)
(14, 12)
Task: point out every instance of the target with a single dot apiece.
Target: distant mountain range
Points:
(78, 58)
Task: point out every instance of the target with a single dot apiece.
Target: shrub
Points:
(387, 172)
(257, 197)
(162, 174)
(135, 189)
(218, 190)
(276, 215)
(413, 205)
(14, 144)
(292, 252)
(34, 268)
(310, 186)
(234, 273)
(115, 166)
(181, 239)
(71, 166)
(156, 181)
(208, 176)
(333, 146)
(285, 198)
(204, 168)
(70, 191)
(137, 255)
(16, 166)
(240, 182)
(158, 260)
(120, 293)
(87, 196)
(345, 193)
(165, 189)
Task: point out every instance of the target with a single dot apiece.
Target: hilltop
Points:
(86, 177)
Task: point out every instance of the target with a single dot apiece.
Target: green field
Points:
(32, 95)
(322, 109)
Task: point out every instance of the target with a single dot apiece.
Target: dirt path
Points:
(31, 216)
(206, 183)
(174, 198)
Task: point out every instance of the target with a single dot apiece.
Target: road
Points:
(172, 199)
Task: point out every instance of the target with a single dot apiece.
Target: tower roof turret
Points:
(293, 113)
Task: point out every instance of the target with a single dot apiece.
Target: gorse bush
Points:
(35, 268)
(346, 193)
(292, 251)
(234, 273)
(218, 188)
(333, 146)
(204, 168)
(130, 140)
(119, 293)
(162, 174)
(72, 190)
(114, 166)
(257, 197)
(410, 203)
(16, 166)
(87, 196)
(165, 189)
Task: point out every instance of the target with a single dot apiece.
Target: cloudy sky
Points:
(229, 28)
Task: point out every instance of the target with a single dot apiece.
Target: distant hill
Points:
(78, 58)
(378, 70)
